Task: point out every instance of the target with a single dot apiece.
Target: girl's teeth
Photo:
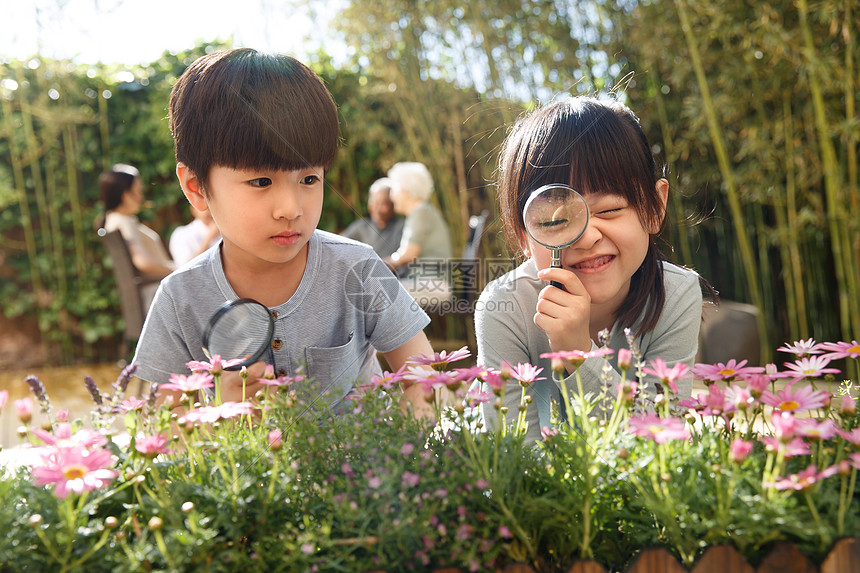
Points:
(593, 263)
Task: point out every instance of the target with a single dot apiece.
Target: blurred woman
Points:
(121, 191)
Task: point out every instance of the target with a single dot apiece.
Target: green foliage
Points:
(287, 487)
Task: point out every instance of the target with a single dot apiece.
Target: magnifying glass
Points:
(241, 329)
(555, 216)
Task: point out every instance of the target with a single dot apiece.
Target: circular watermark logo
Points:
(371, 287)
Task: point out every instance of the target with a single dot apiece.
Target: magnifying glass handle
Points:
(555, 263)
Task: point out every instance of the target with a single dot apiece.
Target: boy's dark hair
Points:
(246, 110)
(591, 145)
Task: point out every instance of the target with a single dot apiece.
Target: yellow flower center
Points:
(655, 429)
(855, 348)
(728, 372)
(789, 405)
(75, 471)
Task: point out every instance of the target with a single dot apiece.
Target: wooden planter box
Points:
(844, 557)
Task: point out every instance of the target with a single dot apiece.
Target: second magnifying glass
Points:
(555, 216)
(241, 329)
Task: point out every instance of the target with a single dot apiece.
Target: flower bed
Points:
(751, 463)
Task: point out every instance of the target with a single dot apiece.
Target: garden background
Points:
(752, 107)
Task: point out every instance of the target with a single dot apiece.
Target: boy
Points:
(254, 135)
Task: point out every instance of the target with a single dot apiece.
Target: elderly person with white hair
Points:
(382, 228)
(425, 247)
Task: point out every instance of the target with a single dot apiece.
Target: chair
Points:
(465, 274)
(728, 331)
(129, 282)
(464, 277)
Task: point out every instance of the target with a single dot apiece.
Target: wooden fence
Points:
(785, 558)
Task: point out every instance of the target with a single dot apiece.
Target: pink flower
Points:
(216, 366)
(802, 480)
(739, 450)
(495, 381)
(74, 470)
(441, 360)
(409, 479)
(281, 381)
(801, 348)
(577, 356)
(660, 430)
(468, 375)
(526, 374)
(504, 532)
(847, 405)
(62, 416)
(374, 483)
(789, 399)
(667, 375)
(227, 410)
(190, 384)
(757, 384)
(625, 358)
(151, 446)
(475, 397)
(810, 367)
(812, 429)
(627, 391)
(276, 439)
(852, 437)
(714, 402)
(837, 350)
(547, 432)
(4, 396)
(741, 397)
(63, 439)
(795, 447)
(727, 371)
(132, 404)
(24, 408)
(407, 449)
(784, 424)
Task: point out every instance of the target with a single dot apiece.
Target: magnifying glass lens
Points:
(241, 329)
(555, 216)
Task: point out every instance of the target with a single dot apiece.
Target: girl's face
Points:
(609, 252)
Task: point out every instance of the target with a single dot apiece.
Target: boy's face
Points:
(263, 215)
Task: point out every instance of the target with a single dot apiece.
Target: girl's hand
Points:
(564, 314)
(231, 383)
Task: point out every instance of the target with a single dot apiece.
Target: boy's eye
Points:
(310, 179)
(260, 182)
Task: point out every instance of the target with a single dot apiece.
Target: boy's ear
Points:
(663, 194)
(191, 187)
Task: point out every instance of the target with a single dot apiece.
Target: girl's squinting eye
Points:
(260, 182)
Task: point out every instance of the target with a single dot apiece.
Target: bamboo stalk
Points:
(835, 207)
(682, 239)
(744, 245)
(69, 146)
(24, 204)
(796, 265)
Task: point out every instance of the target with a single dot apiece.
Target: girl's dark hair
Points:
(113, 184)
(592, 145)
(246, 110)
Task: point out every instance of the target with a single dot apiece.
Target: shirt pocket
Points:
(332, 372)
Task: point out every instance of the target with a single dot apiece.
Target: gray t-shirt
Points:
(347, 306)
(426, 227)
(505, 329)
(384, 241)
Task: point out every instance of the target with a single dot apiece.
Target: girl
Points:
(613, 277)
